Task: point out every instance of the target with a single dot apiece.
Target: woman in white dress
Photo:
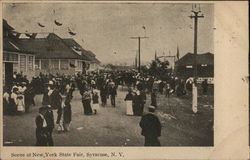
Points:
(129, 102)
(20, 98)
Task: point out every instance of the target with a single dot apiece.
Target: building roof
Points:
(188, 59)
(86, 55)
(6, 26)
(12, 45)
(47, 46)
(51, 47)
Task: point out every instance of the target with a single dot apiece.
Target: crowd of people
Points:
(58, 91)
(18, 97)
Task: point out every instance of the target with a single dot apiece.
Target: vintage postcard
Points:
(124, 80)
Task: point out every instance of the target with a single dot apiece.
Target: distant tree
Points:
(159, 69)
(109, 66)
(144, 69)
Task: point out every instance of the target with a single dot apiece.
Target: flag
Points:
(71, 33)
(178, 53)
(58, 23)
(39, 24)
(16, 34)
(28, 35)
(77, 48)
(33, 35)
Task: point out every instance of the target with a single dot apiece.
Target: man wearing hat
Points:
(151, 128)
(53, 101)
(49, 117)
(41, 128)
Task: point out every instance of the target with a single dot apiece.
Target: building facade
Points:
(15, 59)
(184, 67)
(47, 53)
(55, 55)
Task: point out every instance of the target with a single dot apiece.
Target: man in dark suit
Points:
(49, 117)
(41, 131)
(151, 128)
(52, 99)
(113, 94)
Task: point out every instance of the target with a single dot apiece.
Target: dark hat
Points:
(42, 109)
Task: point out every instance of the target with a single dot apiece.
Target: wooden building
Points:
(56, 55)
(184, 67)
(15, 58)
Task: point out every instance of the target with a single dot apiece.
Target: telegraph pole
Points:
(136, 59)
(139, 50)
(196, 15)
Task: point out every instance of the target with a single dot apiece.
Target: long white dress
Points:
(129, 107)
(20, 103)
(95, 106)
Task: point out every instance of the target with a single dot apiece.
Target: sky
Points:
(106, 29)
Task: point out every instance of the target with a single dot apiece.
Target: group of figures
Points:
(18, 98)
(57, 90)
(54, 102)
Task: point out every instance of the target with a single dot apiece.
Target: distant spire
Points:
(155, 55)
(178, 53)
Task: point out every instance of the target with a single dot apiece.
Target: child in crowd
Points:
(167, 90)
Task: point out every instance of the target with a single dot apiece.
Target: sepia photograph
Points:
(108, 74)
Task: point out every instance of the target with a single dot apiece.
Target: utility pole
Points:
(139, 50)
(136, 58)
(196, 15)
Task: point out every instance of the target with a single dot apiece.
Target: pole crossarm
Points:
(138, 37)
(166, 56)
(197, 16)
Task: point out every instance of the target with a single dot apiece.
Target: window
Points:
(13, 57)
(79, 65)
(64, 64)
(44, 64)
(15, 67)
(54, 64)
(22, 63)
(5, 56)
(37, 64)
(30, 63)
(10, 57)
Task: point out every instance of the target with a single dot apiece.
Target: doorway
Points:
(8, 73)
